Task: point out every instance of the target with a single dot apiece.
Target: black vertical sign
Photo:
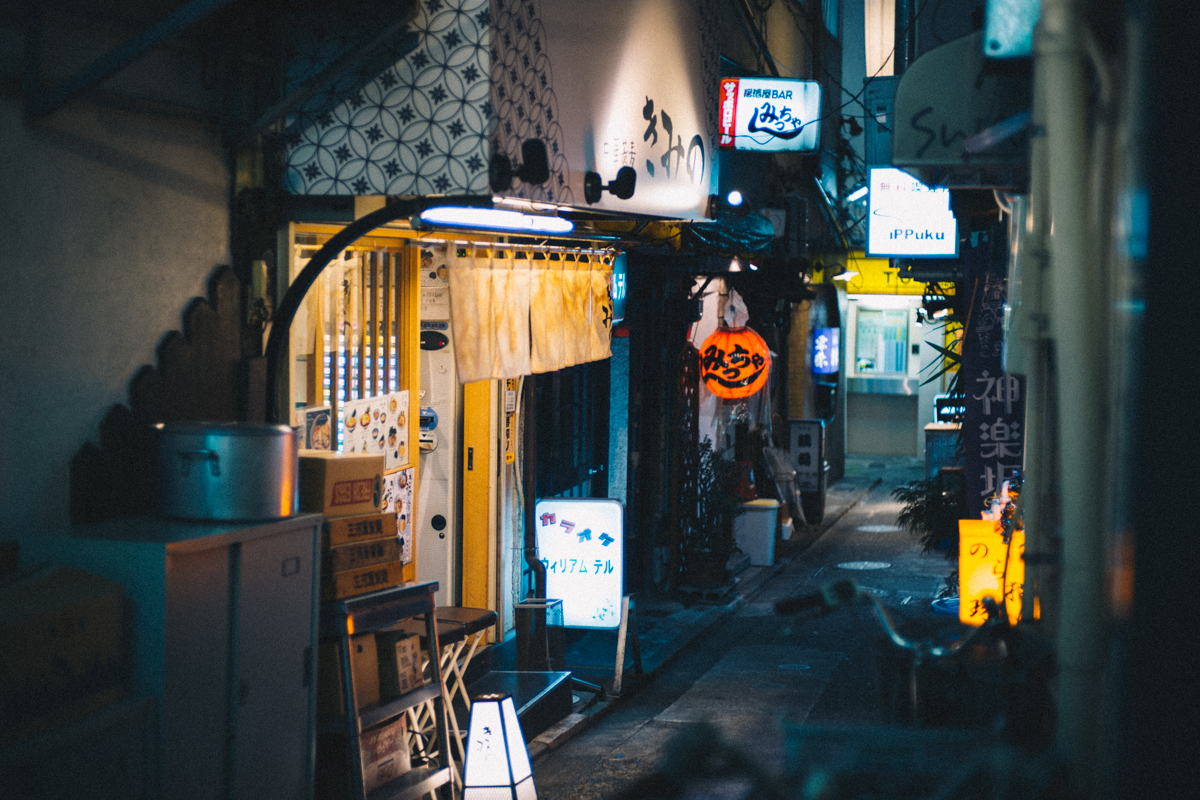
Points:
(994, 417)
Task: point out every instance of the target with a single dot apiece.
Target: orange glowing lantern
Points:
(734, 362)
(982, 554)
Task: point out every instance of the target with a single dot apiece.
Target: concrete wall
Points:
(113, 221)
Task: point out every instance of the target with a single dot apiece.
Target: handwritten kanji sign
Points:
(581, 542)
(985, 562)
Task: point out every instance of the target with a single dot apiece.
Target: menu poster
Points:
(398, 499)
(396, 434)
(317, 430)
(379, 426)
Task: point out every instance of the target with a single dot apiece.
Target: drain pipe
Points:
(1060, 62)
(1030, 229)
(528, 471)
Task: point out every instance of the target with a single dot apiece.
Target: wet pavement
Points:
(743, 669)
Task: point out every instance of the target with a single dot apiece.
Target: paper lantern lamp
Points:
(734, 362)
(981, 568)
(497, 762)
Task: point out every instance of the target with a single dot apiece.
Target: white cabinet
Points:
(224, 636)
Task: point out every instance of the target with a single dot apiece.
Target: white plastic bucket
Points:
(754, 531)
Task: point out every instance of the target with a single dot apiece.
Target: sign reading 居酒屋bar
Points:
(770, 114)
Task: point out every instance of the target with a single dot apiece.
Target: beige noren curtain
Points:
(518, 313)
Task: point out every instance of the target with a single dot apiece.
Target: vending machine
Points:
(441, 403)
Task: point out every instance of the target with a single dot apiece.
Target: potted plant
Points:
(707, 519)
(932, 509)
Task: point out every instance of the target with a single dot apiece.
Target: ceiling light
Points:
(494, 219)
(857, 194)
(734, 198)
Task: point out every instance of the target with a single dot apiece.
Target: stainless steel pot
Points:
(225, 470)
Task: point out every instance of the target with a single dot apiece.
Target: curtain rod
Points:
(541, 248)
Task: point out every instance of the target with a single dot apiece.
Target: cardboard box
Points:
(360, 554)
(365, 665)
(362, 580)
(400, 663)
(362, 528)
(339, 484)
(384, 753)
(63, 648)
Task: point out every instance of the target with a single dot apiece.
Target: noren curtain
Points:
(517, 312)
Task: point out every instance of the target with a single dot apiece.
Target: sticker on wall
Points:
(398, 499)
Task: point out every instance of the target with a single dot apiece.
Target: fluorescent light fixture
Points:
(845, 276)
(495, 219)
(734, 198)
(858, 194)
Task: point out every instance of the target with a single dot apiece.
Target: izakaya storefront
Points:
(446, 321)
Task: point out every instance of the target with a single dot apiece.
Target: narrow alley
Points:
(754, 671)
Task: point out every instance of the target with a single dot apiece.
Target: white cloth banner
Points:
(600, 327)
(518, 313)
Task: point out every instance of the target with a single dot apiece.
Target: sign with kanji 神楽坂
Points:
(581, 543)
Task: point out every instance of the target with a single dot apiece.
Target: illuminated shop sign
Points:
(581, 544)
(619, 288)
(907, 218)
(770, 114)
(825, 351)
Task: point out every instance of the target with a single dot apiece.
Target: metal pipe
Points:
(905, 36)
(1075, 298)
(529, 486)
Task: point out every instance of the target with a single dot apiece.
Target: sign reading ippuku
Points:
(734, 362)
(581, 543)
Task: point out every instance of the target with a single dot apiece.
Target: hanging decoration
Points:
(734, 362)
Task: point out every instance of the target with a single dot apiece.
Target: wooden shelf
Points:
(372, 715)
(412, 784)
(341, 619)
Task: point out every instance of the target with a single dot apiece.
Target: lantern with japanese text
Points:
(985, 563)
(734, 362)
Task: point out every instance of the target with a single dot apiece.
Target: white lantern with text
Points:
(497, 762)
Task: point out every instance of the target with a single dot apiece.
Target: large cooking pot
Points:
(225, 470)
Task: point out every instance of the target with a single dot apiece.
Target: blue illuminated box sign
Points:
(825, 351)
(619, 288)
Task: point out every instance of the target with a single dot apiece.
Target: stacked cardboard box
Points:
(361, 545)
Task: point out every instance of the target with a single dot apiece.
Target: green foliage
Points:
(710, 527)
(932, 509)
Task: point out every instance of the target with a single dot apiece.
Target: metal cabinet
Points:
(224, 636)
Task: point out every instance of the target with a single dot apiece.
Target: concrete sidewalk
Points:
(667, 625)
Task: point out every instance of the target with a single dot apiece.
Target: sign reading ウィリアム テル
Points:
(581, 543)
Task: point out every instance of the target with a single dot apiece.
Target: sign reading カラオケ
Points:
(581, 543)
(770, 114)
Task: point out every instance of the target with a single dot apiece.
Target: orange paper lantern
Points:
(734, 362)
